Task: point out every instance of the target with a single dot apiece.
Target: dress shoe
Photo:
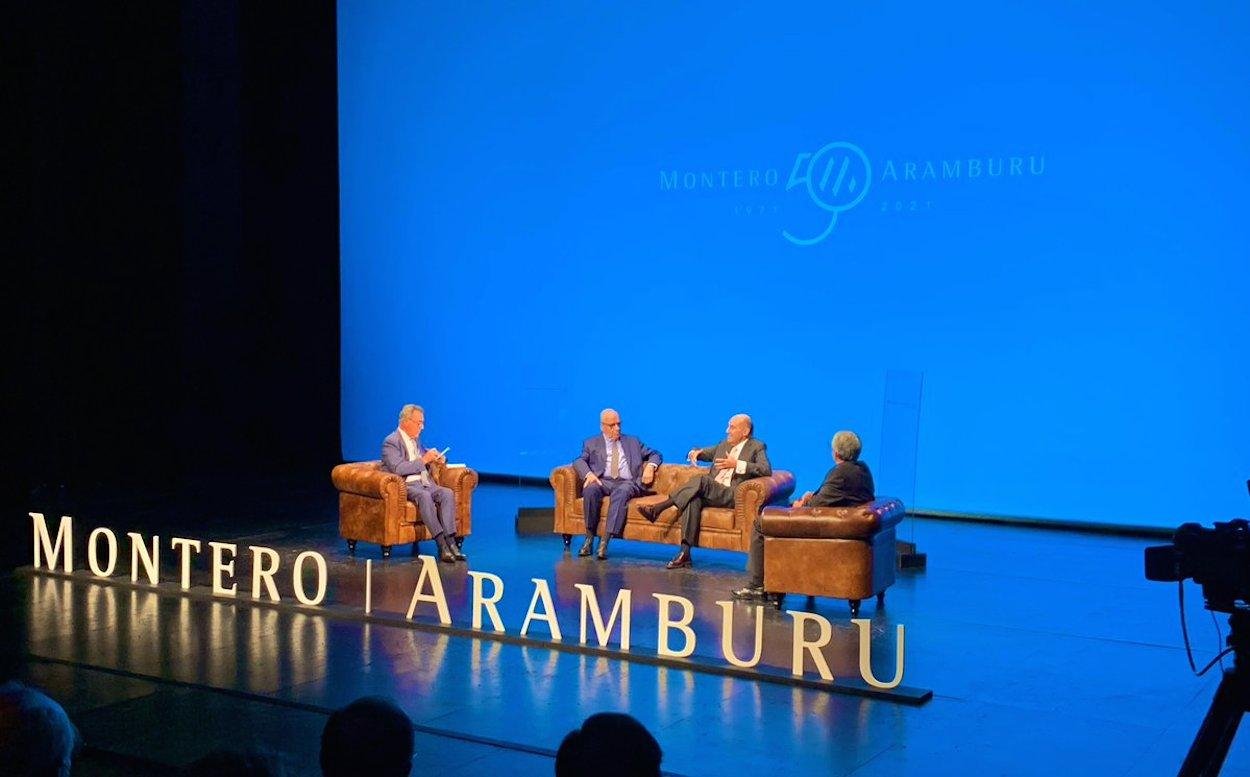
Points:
(681, 560)
(587, 547)
(446, 556)
(749, 592)
(458, 553)
(651, 512)
(603, 548)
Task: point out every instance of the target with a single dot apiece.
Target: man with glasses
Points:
(617, 467)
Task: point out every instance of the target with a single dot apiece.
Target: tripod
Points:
(1232, 700)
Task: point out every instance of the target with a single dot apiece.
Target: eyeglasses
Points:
(605, 423)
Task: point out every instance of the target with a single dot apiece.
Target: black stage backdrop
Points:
(173, 276)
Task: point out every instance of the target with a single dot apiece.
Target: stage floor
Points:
(1044, 650)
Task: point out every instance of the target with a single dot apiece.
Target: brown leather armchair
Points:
(839, 552)
(726, 528)
(374, 505)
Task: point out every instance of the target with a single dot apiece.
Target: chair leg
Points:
(386, 551)
(351, 547)
(416, 548)
(881, 600)
(568, 538)
(778, 600)
(854, 608)
(811, 601)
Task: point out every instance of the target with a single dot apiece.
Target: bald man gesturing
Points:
(737, 458)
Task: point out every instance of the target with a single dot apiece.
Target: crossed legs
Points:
(690, 498)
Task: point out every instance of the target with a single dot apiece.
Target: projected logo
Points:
(837, 177)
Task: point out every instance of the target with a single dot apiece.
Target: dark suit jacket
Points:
(395, 456)
(848, 484)
(594, 456)
(754, 455)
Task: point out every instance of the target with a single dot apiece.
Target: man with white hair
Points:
(737, 458)
(616, 467)
(849, 483)
(403, 454)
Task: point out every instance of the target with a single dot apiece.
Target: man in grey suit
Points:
(737, 458)
(403, 454)
(616, 466)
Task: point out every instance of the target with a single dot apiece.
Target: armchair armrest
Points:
(368, 481)
(566, 483)
(752, 495)
(458, 479)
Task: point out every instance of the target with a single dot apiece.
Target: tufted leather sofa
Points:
(374, 505)
(726, 528)
(839, 552)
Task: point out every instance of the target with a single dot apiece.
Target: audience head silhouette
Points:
(236, 763)
(369, 736)
(609, 744)
(36, 736)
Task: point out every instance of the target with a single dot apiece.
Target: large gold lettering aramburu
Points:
(727, 636)
(666, 623)
(429, 570)
(487, 603)
(548, 615)
(590, 605)
(800, 643)
(865, 655)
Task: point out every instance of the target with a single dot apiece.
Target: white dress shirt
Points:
(725, 476)
(411, 445)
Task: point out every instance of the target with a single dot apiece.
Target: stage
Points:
(1016, 631)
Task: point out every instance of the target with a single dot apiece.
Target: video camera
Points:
(1218, 559)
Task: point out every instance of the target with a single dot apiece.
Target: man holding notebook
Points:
(403, 454)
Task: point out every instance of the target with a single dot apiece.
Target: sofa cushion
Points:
(713, 517)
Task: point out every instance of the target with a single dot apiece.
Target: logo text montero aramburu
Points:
(839, 175)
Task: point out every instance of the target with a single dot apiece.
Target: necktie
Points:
(614, 463)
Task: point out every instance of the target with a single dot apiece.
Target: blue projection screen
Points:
(688, 210)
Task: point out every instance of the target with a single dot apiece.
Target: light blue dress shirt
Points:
(623, 473)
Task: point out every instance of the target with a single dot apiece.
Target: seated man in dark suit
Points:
(849, 483)
(737, 458)
(613, 465)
